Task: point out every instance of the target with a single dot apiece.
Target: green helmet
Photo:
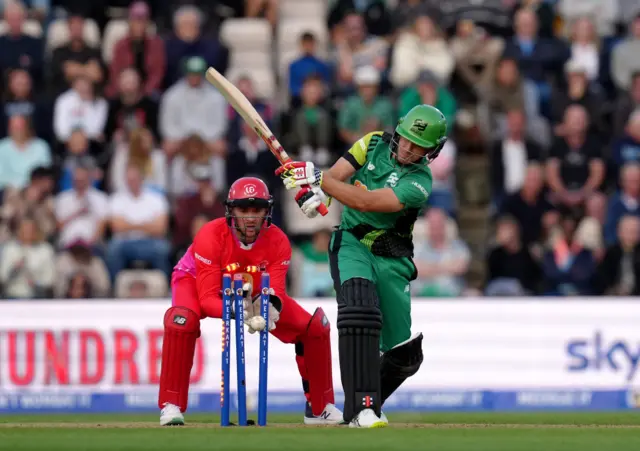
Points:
(425, 126)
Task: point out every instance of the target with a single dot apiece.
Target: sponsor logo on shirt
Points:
(286, 262)
(371, 167)
(202, 259)
(421, 188)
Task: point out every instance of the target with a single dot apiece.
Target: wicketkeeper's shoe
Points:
(170, 415)
(367, 419)
(330, 415)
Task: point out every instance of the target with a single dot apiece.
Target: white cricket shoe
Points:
(170, 415)
(330, 415)
(367, 419)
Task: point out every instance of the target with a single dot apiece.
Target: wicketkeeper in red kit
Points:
(244, 242)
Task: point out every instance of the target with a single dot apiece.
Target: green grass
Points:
(431, 431)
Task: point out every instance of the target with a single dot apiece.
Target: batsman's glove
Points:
(296, 174)
(309, 199)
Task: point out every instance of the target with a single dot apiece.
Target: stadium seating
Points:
(58, 34)
(30, 27)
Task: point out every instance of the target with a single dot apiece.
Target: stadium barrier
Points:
(480, 354)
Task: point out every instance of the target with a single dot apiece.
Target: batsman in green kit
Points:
(383, 181)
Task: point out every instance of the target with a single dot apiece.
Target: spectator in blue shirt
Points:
(187, 41)
(20, 153)
(308, 64)
(568, 267)
(626, 202)
(539, 58)
(627, 148)
(77, 151)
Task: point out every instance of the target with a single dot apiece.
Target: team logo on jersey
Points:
(359, 184)
(392, 180)
(419, 126)
(250, 189)
(371, 167)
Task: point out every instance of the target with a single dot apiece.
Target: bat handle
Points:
(322, 209)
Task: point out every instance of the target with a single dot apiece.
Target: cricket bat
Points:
(244, 108)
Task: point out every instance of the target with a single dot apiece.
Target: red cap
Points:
(250, 189)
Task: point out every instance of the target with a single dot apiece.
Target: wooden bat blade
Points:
(245, 109)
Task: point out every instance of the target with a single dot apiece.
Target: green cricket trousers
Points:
(349, 258)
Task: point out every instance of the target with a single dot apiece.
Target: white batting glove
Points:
(296, 174)
(309, 199)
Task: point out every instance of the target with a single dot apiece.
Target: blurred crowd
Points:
(114, 150)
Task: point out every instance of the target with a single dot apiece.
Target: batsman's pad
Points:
(313, 354)
(181, 330)
(359, 325)
(400, 363)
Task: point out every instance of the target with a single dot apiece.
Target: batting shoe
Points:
(170, 415)
(330, 415)
(367, 419)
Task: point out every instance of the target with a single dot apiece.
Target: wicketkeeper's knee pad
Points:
(313, 354)
(181, 330)
(359, 325)
(400, 363)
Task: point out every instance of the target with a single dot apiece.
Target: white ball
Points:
(257, 323)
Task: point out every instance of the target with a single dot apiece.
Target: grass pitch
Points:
(432, 431)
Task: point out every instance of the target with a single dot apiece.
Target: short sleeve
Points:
(45, 154)
(413, 192)
(357, 154)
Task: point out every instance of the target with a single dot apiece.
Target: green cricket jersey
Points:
(386, 234)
